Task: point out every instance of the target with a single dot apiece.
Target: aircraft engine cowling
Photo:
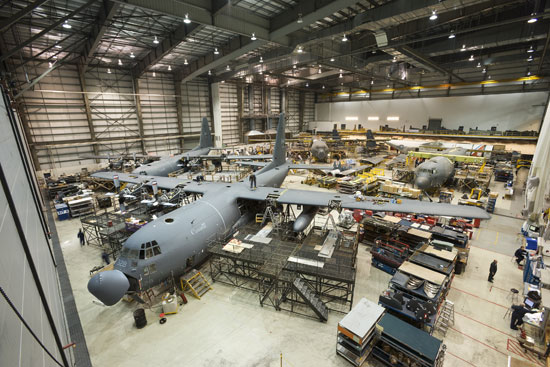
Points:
(305, 218)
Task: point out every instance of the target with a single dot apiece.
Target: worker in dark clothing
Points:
(252, 180)
(520, 254)
(492, 270)
(80, 236)
(518, 311)
(105, 257)
(121, 201)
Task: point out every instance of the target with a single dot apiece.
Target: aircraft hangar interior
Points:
(275, 183)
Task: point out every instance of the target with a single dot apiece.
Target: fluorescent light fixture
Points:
(108, 70)
(352, 118)
(169, 67)
(186, 19)
(154, 74)
(471, 58)
(300, 49)
(132, 55)
(344, 39)
(216, 52)
(373, 118)
(530, 58)
(478, 64)
(371, 82)
(66, 25)
(120, 62)
(307, 84)
(300, 20)
(253, 38)
(209, 72)
(156, 40)
(185, 62)
(227, 68)
(261, 59)
(332, 59)
(484, 70)
(392, 118)
(463, 48)
(394, 59)
(340, 76)
(452, 35)
(533, 18)
(433, 16)
(59, 46)
(531, 49)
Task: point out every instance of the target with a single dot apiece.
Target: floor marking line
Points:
(463, 360)
(489, 326)
(478, 233)
(483, 299)
(513, 346)
(496, 239)
(479, 341)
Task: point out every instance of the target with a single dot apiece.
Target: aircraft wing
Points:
(235, 157)
(310, 166)
(328, 199)
(167, 183)
(252, 164)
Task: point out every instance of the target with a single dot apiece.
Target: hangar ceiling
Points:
(324, 46)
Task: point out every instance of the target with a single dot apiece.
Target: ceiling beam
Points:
(280, 26)
(20, 14)
(165, 46)
(426, 61)
(107, 11)
(45, 30)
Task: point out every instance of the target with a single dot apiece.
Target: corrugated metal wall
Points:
(60, 127)
(17, 346)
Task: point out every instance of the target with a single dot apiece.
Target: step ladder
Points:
(195, 282)
(311, 298)
(446, 317)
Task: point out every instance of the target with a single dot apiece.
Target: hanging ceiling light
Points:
(307, 84)
(169, 67)
(300, 20)
(185, 62)
(471, 58)
(58, 46)
(463, 48)
(54, 57)
(433, 16)
(371, 82)
(261, 59)
(332, 59)
(533, 18)
(120, 62)
(344, 39)
(478, 64)
(253, 38)
(531, 49)
(186, 19)
(319, 71)
(132, 55)
(154, 74)
(530, 58)
(209, 72)
(484, 70)
(300, 49)
(394, 59)
(261, 72)
(323, 87)
(294, 66)
(156, 40)
(452, 35)
(50, 64)
(216, 52)
(528, 73)
(227, 68)
(66, 25)
(108, 70)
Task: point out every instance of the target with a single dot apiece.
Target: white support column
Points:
(540, 168)
(217, 114)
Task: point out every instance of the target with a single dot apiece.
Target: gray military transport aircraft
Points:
(175, 242)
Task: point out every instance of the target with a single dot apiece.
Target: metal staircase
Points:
(195, 282)
(311, 298)
(446, 317)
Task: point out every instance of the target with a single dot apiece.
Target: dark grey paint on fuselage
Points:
(433, 173)
(167, 165)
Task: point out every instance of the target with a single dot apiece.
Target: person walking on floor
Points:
(492, 270)
(105, 257)
(252, 180)
(80, 236)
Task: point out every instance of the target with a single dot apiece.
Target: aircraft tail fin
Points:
(206, 135)
(371, 143)
(279, 151)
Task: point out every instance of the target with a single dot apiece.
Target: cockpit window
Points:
(156, 250)
(141, 254)
(149, 253)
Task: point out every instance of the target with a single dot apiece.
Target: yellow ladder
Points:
(196, 283)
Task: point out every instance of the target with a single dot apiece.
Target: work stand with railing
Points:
(289, 274)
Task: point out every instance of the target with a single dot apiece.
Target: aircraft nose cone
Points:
(422, 182)
(109, 286)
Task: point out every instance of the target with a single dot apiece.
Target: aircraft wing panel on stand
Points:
(167, 183)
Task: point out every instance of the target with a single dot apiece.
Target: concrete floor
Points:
(229, 328)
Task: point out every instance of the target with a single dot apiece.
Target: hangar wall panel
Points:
(195, 106)
(515, 111)
(17, 346)
(230, 118)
